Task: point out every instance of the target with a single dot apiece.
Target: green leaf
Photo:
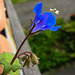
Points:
(5, 59)
(16, 67)
(7, 66)
(8, 57)
(14, 73)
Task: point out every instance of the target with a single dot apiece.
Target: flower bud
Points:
(27, 63)
(23, 58)
(34, 59)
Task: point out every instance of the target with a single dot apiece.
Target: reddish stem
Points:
(19, 49)
(24, 53)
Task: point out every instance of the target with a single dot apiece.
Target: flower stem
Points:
(24, 53)
(19, 49)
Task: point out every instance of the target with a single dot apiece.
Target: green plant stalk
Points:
(19, 49)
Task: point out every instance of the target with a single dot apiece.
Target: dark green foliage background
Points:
(20, 1)
(54, 49)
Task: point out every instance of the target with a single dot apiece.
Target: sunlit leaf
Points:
(5, 60)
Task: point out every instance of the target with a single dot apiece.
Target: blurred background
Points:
(56, 50)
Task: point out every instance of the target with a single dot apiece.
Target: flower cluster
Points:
(43, 21)
(54, 10)
(28, 60)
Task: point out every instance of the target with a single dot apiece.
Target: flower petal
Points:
(38, 17)
(48, 20)
(38, 8)
(55, 28)
(51, 20)
(46, 27)
(41, 23)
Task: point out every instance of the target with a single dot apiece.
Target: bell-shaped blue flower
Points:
(43, 21)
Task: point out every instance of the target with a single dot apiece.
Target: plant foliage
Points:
(5, 60)
(54, 48)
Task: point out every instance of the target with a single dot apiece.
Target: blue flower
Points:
(43, 21)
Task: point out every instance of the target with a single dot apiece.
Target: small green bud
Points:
(34, 59)
(27, 63)
(24, 58)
